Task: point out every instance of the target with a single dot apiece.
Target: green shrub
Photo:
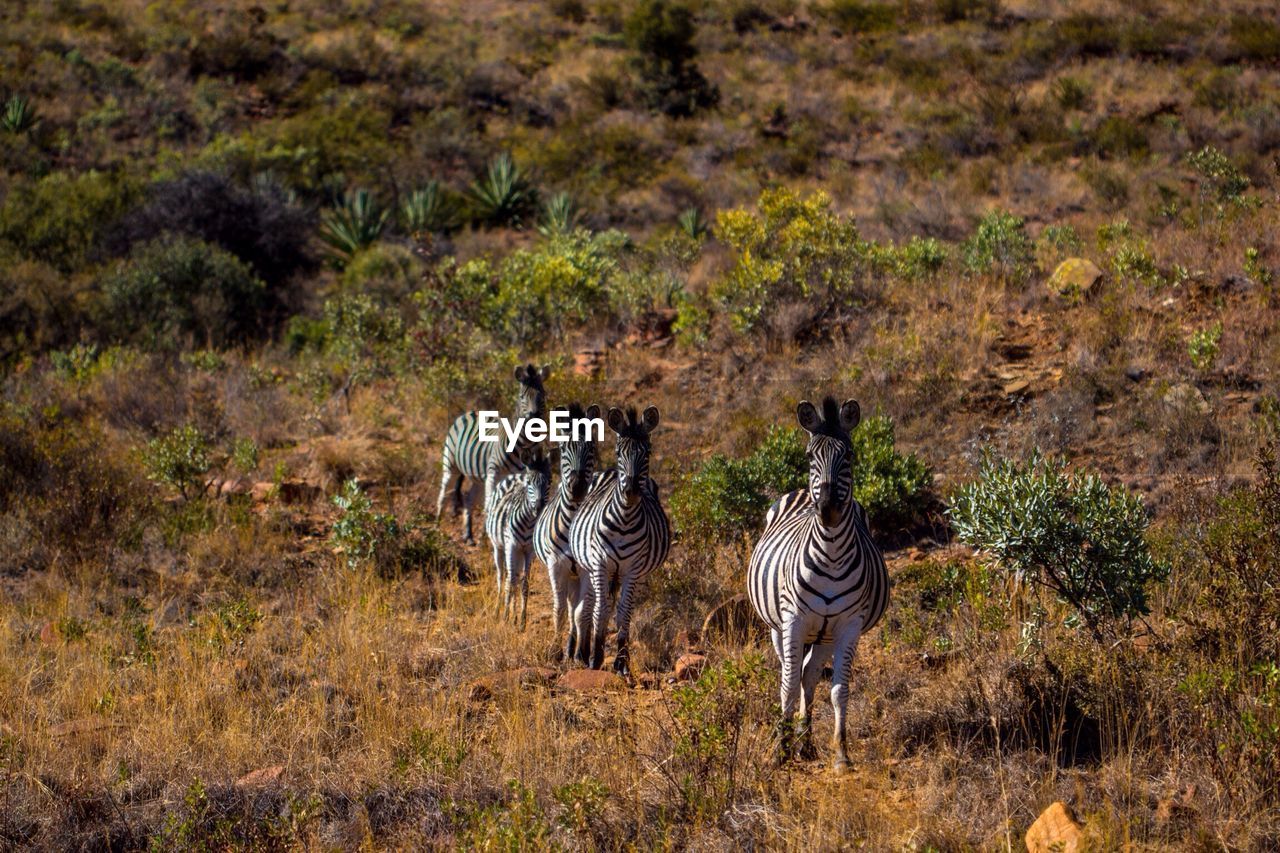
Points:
(60, 218)
(727, 497)
(1071, 93)
(179, 459)
(427, 209)
(1220, 179)
(1255, 37)
(560, 215)
(355, 224)
(1203, 346)
(177, 291)
(1067, 532)
(892, 487)
(384, 271)
(854, 17)
(365, 537)
(693, 223)
(40, 308)
(792, 249)
(502, 195)
(17, 116)
(1117, 136)
(1000, 244)
(661, 33)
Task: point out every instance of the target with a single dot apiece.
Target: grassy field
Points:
(255, 258)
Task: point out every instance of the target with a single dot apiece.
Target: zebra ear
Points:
(850, 414)
(650, 419)
(617, 420)
(520, 374)
(545, 373)
(808, 417)
(593, 411)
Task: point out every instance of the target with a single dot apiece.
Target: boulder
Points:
(1185, 397)
(590, 680)
(733, 620)
(263, 777)
(1055, 831)
(690, 666)
(1075, 278)
(487, 686)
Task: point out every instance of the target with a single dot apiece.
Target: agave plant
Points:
(353, 225)
(18, 115)
(426, 209)
(693, 223)
(560, 215)
(502, 195)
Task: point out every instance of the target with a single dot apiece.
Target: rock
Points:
(261, 492)
(734, 620)
(263, 777)
(487, 686)
(690, 666)
(1185, 397)
(588, 362)
(687, 640)
(234, 487)
(1075, 278)
(591, 679)
(1135, 374)
(291, 491)
(1054, 831)
(49, 634)
(1016, 388)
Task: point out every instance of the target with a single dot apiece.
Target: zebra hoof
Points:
(840, 766)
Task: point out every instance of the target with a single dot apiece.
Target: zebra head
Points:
(578, 456)
(830, 455)
(536, 476)
(633, 450)
(531, 400)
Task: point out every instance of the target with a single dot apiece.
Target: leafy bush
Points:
(726, 497)
(179, 459)
(1069, 533)
(355, 224)
(1203, 346)
(661, 33)
(502, 195)
(999, 244)
(40, 308)
(17, 116)
(855, 16)
(60, 218)
(172, 292)
(260, 222)
(1220, 179)
(365, 537)
(560, 215)
(793, 249)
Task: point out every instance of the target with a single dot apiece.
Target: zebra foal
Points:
(551, 534)
(465, 456)
(619, 536)
(509, 522)
(816, 577)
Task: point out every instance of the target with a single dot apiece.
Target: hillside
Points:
(254, 258)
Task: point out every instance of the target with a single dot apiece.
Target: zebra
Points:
(485, 462)
(551, 535)
(619, 536)
(509, 521)
(816, 577)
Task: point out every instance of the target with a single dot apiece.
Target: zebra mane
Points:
(831, 419)
(634, 427)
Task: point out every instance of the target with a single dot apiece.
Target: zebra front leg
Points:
(599, 617)
(555, 575)
(524, 587)
(622, 661)
(816, 657)
(792, 664)
(579, 635)
(845, 647)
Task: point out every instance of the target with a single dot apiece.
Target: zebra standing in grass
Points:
(509, 521)
(485, 462)
(551, 536)
(618, 537)
(815, 576)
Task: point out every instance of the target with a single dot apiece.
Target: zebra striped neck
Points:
(829, 543)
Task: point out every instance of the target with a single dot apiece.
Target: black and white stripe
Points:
(509, 521)
(815, 576)
(619, 536)
(551, 535)
(465, 456)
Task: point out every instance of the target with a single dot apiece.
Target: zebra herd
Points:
(815, 577)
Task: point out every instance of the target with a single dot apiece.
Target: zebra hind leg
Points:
(792, 664)
(450, 481)
(622, 661)
(468, 508)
